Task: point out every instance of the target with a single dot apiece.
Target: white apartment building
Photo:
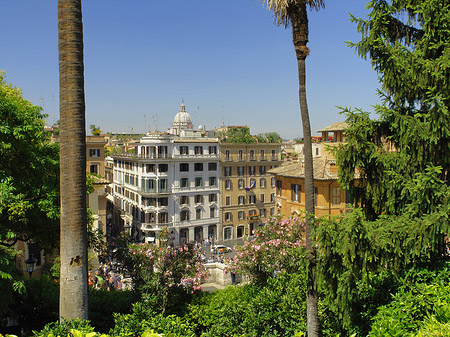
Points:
(171, 180)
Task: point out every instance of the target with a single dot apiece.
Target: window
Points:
(316, 191)
(241, 155)
(150, 168)
(252, 154)
(262, 197)
(184, 167)
(240, 231)
(252, 170)
(262, 183)
(198, 213)
(228, 184)
(278, 187)
(272, 182)
(212, 149)
(184, 182)
(227, 216)
(227, 171)
(227, 154)
(241, 215)
(252, 199)
(184, 150)
(262, 170)
(184, 215)
(162, 151)
(227, 233)
(198, 167)
(163, 217)
(240, 183)
(213, 197)
(274, 156)
(252, 212)
(212, 166)
(163, 167)
(163, 185)
(336, 196)
(262, 212)
(164, 201)
(148, 185)
(272, 211)
(198, 182)
(93, 168)
(296, 192)
(262, 155)
(272, 197)
(227, 200)
(94, 152)
(252, 182)
(241, 200)
(198, 150)
(212, 212)
(212, 181)
(317, 151)
(198, 199)
(184, 200)
(240, 171)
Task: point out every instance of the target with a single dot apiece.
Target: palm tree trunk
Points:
(299, 20)
(73, 298)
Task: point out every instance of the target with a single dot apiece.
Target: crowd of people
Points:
(108, 276)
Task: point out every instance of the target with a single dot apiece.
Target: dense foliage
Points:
(277, 247)
(241, 135)
(166, 275)
(29, 172)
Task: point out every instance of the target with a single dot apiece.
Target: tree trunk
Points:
(299, 20)
(73, 298)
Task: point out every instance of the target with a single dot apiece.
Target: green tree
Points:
(73, 225)
(95, 130)
(294, 12)
(401, 158)
(29, 178)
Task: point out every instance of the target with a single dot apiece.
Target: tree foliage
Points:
(29, 172)
(401, 158)
(242, 135)
(277, 247)
(164, 274)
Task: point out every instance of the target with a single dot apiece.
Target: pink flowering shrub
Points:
(279, 246)
(164, 272)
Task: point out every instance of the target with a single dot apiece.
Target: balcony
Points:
(253, 218)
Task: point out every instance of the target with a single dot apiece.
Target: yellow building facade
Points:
(247, 190)
(329, 198)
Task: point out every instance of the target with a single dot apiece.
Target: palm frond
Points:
(279, 8)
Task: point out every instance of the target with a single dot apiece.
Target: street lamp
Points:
(30, 263)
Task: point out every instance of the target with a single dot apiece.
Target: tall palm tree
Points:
(73, 298)
(294, 12)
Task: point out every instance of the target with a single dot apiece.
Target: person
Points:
(91, 281)
(98, 281)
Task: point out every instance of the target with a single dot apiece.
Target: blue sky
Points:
(226, 59)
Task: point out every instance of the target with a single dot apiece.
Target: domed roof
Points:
(182, 119)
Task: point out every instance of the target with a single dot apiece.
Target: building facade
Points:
(329, 198)
(169, 180)
(247, 189)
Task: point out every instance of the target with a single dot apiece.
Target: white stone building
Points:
(170, 180)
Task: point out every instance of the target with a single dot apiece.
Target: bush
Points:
(38, 304)
(144, 318)
(104, 303)
(277, 309)
(423, 297)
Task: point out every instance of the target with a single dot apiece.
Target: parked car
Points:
(222, 249)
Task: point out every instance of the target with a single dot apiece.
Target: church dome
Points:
(182, 119)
